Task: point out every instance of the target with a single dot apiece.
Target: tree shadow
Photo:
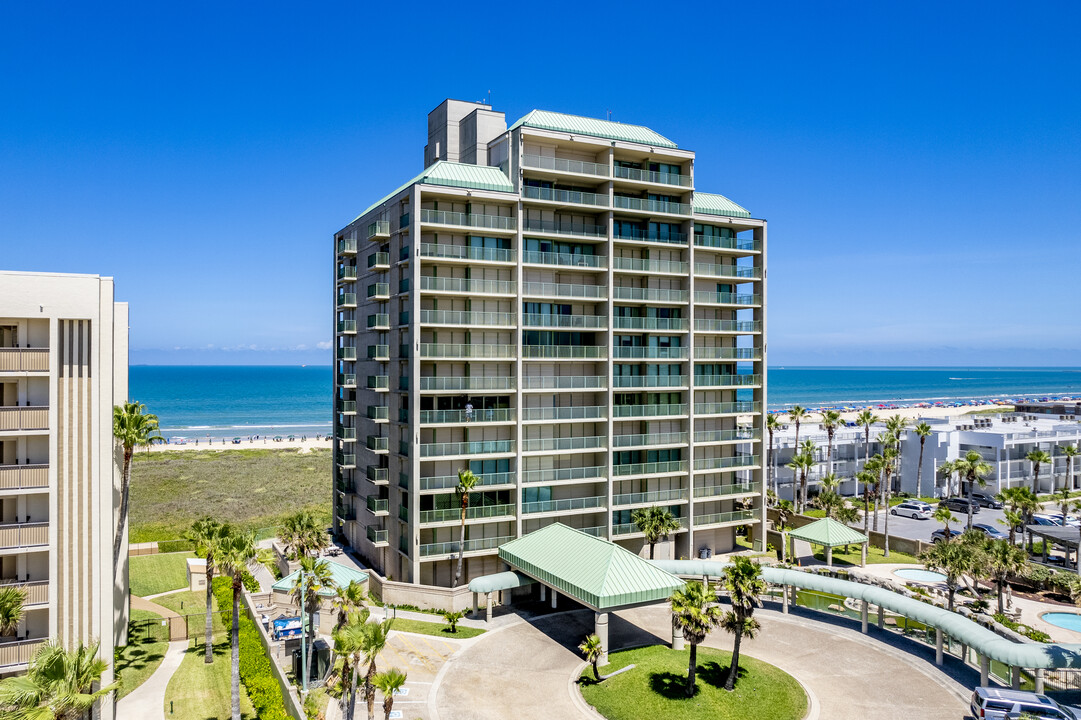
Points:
(670, 685)
(137, 659)
(714, 674)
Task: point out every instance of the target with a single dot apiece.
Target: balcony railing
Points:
(346, 460)
(565, 166)
(379, 352)
(442, 482)
(570, 443)
(37, 591)
(378, 475)
(466, 252)
(458, 350)
(347, 353)
(347, 380)
(347, 300)
(347, 246)
(645, 439)
(468, 286)
(23, 535)
(379, 321)
(473, 512)
(378, 382)
(482, 447)
(564, 259)
(580, 503)
(653, 410)
(347, 272)
(467, 383)
(724, 517)
(345, 513)
(564, 290)
(379, 291)
(626, 173)
(570, 197)
(740, 272)
(378, 412)
(24, 477)
(560, 227)
(727, 380)
(726, 353)
(377, 505)
(653, 496)
(379, 228)
(347, 326)
(651, 468)
(726, 408)
(651, 206)
(564, 321)
(449, 548)
(591, 472)
(379, 261)
(671, 238)
(346, 433)
(729, 326)
(20, 652)
(24, 359)
(708, 491)
(378, 444)
(465, 317)
(642, 352)
(565, 351)
(677, 267)
(724, 463)
(648, 381)
(650, 294)
(445, 217)
(725, 298)
(712, 436)
(632, 528)
(564, 382)
(345, 486)
(588, 412)
(649, 323)
(347, 406)
(35, 417)
(377, 536)
(727, 243)
(462, 417)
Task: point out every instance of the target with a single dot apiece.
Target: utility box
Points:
(320, 664)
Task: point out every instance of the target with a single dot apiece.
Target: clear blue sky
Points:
(919, 163)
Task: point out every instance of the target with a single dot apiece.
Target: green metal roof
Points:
(341, 574)
(714, 204)
(593, 571)
(828, 531)
(499, 581)
(546, 120)
(452, 174)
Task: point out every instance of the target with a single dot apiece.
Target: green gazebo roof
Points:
(341, 575)
(828, 532)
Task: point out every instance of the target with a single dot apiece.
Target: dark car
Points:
(959, 504)
(940, 535)
(986, 500)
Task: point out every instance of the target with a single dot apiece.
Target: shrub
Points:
(1030, 633)
(249, 581)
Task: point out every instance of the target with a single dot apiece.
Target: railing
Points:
(564, 321)
(347, 326)
(347, 380)
(347, 406)
(347, 353)
(459, 417)
(442, 482)
(345, 486)
(596, 531)
(20, 652)
(732, 326)
(403, 222)
(726, 408)
(632, 528)
(656, 410)
(571, 443)
(379, 259)
(588, 412)
(447, 548)
(345, 513)
(648, 381)
(627, 173)
(347, 246)
(727, 243)
(378, 444)
(658, 294)
(559, 227)
(650, 468)
(378, 382)
(651, 206)
(643, 265)
(347, 272)
(346, 459)
(379, 320)
(378, 474)
(542, 289)
(710, 436)
(724, 517)
(473, 512)
(672, 238)
(733, 489)
(377, 505)
(23, 477)
(378, 412)
(566, 166)
(649, 323)
(483, 447)
(36, 591)
(572, 197)
(21, 535)
(466, 252)
(725, 298)
(726, 353)
(459, 350)
(671, 495)
(581, 503)
(564, 382)
(565, 351)
(668, 438)
(564, 259)
(379, 352)
(24, 418)
(403, 513)
(346, 433)
(24, 359)
(445, 217)
(377, 536)
(727, 380)
(347, 300)
(466, 317)
(467, 285)
(379, 290)
(591, 472)
(467, 383)
(379, 227)
(722, 463)
(742, 272)
(642, 352)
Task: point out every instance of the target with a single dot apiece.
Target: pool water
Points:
(1070, 621)
(923, 576)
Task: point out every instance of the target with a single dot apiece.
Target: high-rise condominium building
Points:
(63, 365)
(557, 308)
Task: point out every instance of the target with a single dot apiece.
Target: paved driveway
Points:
(922, 529)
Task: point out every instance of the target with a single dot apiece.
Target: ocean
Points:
(228, 401)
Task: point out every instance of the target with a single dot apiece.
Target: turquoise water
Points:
(1069, 621)
(924, 576)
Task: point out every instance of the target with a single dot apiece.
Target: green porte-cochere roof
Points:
(828, 532)
(547, 120)
(452, 174)
(714, 204)
(591, 570)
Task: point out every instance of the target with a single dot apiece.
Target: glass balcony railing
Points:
(677, 267)
(645, 439)
(627, 411)
(347, 406)
(468, 286)
(378, 505)
(466, 252)
(570, 443)
(378, 444)
(403, 513)
(347, 380)
(564, 382)
(379, 291)
(725, 298)
(467, 383)
(378, 382)
(595, 531)
(403, 253)
(630, 352)
(377, 536)
(379, 228)
(569, 197)
(567, 227)
(445, 217)
(632, 528)
(346, 433)
(483, 447)
(463, 317)
(345, 486)
(403, 317)
(651, 468)
(726, 408)
(564, 290)
(378, 475)
(403, 222)
(713, 436)
(346, 460)
(347, 353)
(648, 381)
(564, 259)
(740, 272)
(727, 380)
(727, 326)
(378, 412)
(580, 503)
(651, 206)
(707, 491)
(564, 321)
(461, 350)
(727, 353)
(727, 243)
(461, 417)
(450, 548)
(403, 382)
(345, 513)
(592, 472)
(650, 497)
(347, 272)
(473, 512)
(565, 351)
(649, 323)
(650, 294)
(671, 238)
(725, 463)
(626, 173)
(587, 412)
(347, 246)
(379, 352)
(379, 261)
(443, 482)
(347, 300)
(379, 321)
(566, 166)
(725, 517)
(347, 326)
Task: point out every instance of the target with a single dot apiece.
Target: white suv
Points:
(914, 510)
(999, 704)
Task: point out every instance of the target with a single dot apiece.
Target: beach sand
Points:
(263, 443)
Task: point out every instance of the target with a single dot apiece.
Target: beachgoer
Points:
(468, 411)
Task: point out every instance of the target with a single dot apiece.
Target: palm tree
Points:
(592, 650)
(656, 523)
(973, 468)
(1015, 500)
(452, 619)
(784, 514)
(1004, 559)
(466, 482)
(12, 599)
(743, 580)
(873, 469)
(349, 645)
(796, 415)
(889, 455)
(233, 554)
(831, 420)
(58, 685)
(206, 534)
(389, 682)
(303, 535)
(772, 425)
(953, 558)
(867, 479)
(896, 426)
(1063, 499)
(132, 427)
(315, 577)
(799, 465)
(947, 470)
(1069, 451)
(865, 420)
(944, 516)
(375, 639)
(1037, 457)
(923, 431)
(694, 613)
(348, 599)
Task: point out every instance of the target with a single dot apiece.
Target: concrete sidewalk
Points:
(147, 702)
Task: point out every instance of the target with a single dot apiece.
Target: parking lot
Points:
(922, 529)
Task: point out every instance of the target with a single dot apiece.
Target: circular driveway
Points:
(526, 670)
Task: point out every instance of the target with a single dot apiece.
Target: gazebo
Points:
(829, 533)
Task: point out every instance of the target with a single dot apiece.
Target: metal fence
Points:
(184, 627)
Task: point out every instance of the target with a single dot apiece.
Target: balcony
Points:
(564, 382)
(565, 197)
(743, 434)
(379, 353)
(671, 238)
(19, 652)
(37, 591)
(651, 206)
(468, 286)
(403, 222)
(379, 230)
(649, 381)
(345, 486)
(655, 496)
(649, 439)
(467, 252)
(377, 506)
(651, 468)
(737, 272)
(463, 417)
(473, 512)
(379, 291)
(489, 222)
(347, 380)
(727, 353)
(347, 353)
(467, 318)
(452, 548)
(632, 528)
(347, 300)
(35, 417)
(347, 407)
(379, 321)
(550, 475)
(346, 460)
(660, 410)
(626, 173)
(378, 537)
(650, 323)
(707, 297)
(628, 264)
(347, 272)
(710, 491)
(640, 352)
(347, 246)
(727, 243)
(346, 433)
(726, 326)
(726, 408)
(24, 535)
(566, 505)
(438, 384)
(565, 352)
(379, 383)
(581, 322)
(662, 295)
(444, 482)
(24, 359)
(403, 514)
(24, 477)
(378, 413)
(477, 351)
(378, 444)
(716, 381)
(560, 165)
(379, 261)
(595, 442)
(559, 227)
(535, 257)
(347, 326)
(725, 463)
(587, 412)
(737, 517)
(483, 447)
(378, 475)
(564, 290)
(345, 514)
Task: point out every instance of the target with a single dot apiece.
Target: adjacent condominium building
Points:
(63, 365)
(556, 307)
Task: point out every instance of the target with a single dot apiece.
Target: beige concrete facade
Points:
(63, 365)
(587, 341)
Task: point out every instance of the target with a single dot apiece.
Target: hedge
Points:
(255, 672)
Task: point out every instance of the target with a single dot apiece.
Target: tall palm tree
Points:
(1003, 559)
(132, 427)
(873, 469)
(784, 514)
(315, 578)
(233, 554)
(694, 613)
(389, 682)
(466, 482)
(867, 479)
(206, 534)
(944, 516)
(1016, 500)
(866, 419)
(58, 685)
(923, 431)
(889, 457)
(592, 650)
(831, 420)
(349, 646)
(799, 465)
(1037, 457)
(743, 580)
(954, 558)
(12, 600)
(1069, 451)
(303, 534)
(772, 426)
(348, 599)
(896, 426)
(375, 639)
(946, 469)
(797, 414)
(656, 523)
(973, 468)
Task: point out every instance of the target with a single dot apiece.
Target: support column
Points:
(985, 670)
(476, 605)
(1015, 677)
(784, 599)
(863, 555)
(881, 621)
(544, 589)
(938, 646)
(964, 653)
(488, 607)
(554, 596)
(863, 617)
(829, 556)
(600, 626)
(1039, 680)
(677, 636)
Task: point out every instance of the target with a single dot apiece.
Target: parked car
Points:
(916, 511)
(1000, 704)
(960, 504)
(990, 531)
(1068, 520)
(1041, 519)
(939, 535)
(985, 499)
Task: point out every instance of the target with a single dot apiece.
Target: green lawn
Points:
(435, 628)
(139, 658)
(192, 603)
(153, 574)
(198, 691)
(249, 488)
(997, 410)
(654, 689)
(874, 556)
